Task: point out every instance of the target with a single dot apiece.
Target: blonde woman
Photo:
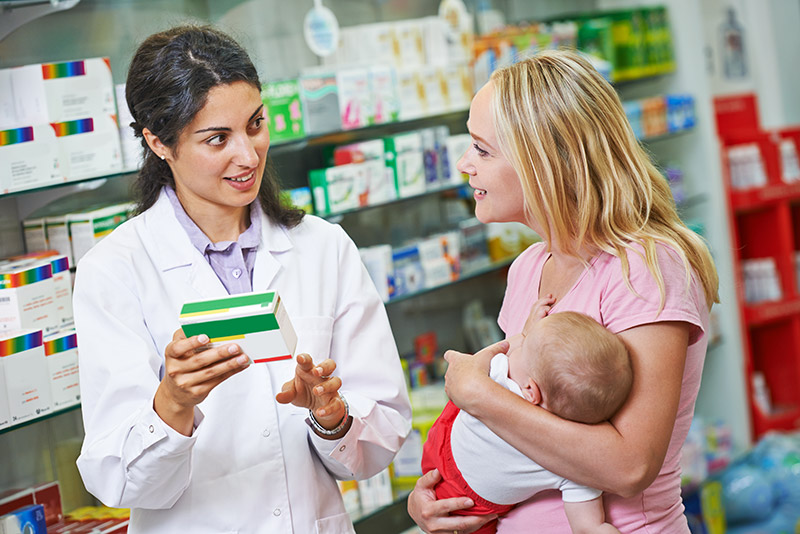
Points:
(552, 148)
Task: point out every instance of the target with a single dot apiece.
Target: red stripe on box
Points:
(274, 359)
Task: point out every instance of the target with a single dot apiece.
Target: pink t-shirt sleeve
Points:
(621, 308)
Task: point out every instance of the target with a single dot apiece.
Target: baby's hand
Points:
(541, 308)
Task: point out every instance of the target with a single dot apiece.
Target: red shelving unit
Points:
(765, 223)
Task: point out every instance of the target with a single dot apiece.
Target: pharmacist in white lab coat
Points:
(194, 441)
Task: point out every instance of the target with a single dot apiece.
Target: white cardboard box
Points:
(64, 91)
(25, 372)
(89, 147)
(86, 229)
(27, 297)
(61, 355)
(29, 158)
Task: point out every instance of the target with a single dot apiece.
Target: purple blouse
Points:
(232, 261)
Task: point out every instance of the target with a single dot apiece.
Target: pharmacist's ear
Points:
(155, 144)
(532, 393)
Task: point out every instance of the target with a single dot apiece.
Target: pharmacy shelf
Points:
(758, 314)
(57, 185)
(494, 266)
(337, 217)
(50, 415)
(387, 519)
(668, 135)
(761, 197)
(343, 137)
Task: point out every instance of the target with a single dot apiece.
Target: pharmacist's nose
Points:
(246, 155)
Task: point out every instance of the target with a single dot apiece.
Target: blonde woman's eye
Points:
(481, 152)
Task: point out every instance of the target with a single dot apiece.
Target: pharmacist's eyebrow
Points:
(225, 128)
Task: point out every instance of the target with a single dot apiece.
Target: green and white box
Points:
(403, 154)
(86, 229)
(282, 100)
(257, 322)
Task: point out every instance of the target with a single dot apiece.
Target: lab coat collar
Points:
(176, 252)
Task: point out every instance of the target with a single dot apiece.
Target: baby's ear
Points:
(532, 393)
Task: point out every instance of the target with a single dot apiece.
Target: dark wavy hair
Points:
(168, 83)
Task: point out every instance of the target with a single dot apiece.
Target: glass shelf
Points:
(57, 185)
(337, 217)
(54, 413)
(345, 136)
(494, 266)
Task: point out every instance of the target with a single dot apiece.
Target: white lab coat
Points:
(252, 465)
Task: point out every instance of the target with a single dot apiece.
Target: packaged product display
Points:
(30, 158)
(26, 381)
(61, 354)
(257, 322)
(28, 297)
(284, 112)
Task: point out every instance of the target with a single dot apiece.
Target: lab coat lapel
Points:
(274, 242)
(177, 258)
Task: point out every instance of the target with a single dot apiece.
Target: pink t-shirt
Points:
(601, 293)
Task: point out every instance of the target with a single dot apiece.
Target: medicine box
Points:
(25, 370)
(383, 90)
(257, 322)
(27, 297)
(319, 97)
(336, 189)
(284, 111)
(62, 280)
(89, 146)
(29, 158)
(35, 235)
(27, 520)
(403, 154)
(355, 101)
(64, 91)
(61, 355)
(57, 231)
(86, 229)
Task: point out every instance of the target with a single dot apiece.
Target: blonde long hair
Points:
(587, 181)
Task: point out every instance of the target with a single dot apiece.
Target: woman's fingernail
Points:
(320, 371)
(241, 360)
(320, 390)
(202, 338)
(233, 349)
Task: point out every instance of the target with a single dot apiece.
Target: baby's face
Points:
(521, 351)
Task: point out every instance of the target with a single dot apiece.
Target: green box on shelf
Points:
(284, 111)
(627, 33)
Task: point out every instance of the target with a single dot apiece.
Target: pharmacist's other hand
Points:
(433, 516)
(314, 388)
(468, 373)
(191, 371)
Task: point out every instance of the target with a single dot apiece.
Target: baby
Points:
(568, 364)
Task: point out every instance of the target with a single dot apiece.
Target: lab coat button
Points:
(151, 429)
(342, 448)
(276, 512)
(236, 273)
(265, 433)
